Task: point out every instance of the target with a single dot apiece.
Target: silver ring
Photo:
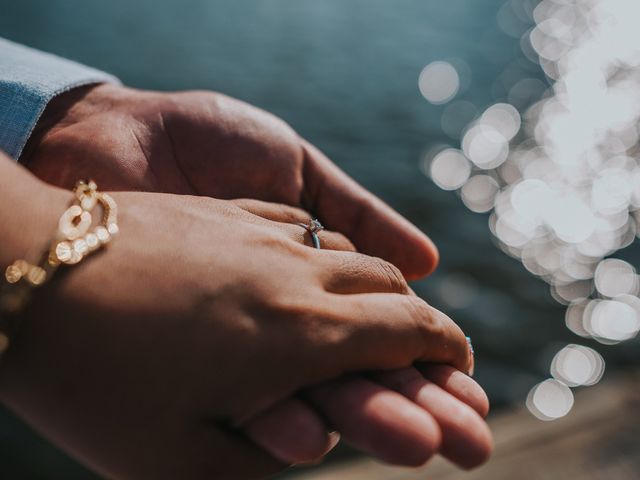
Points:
(313, 228)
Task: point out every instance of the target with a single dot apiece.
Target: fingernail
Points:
(473, 363)
(334, 439)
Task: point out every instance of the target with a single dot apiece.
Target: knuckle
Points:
(452, 340)
(423, 319)
(418, 312)
(393, 276)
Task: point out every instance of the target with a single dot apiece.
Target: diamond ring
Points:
(313, 228)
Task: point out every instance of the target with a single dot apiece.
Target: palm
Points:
(191, 143)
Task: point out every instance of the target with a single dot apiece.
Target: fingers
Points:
(373, 227)
(292, 432)
(378, 421)
(466, 439)
(457, 384)
(290, 220)
(387, 330)
(349, 273)
(295, 434)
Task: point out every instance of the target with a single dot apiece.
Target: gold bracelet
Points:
(73, 242)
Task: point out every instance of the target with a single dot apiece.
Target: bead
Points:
(23, 265)
(75, 258)
(88, 203)
(13, 274)
(36, 276)
(113, 229)
(80, 246)
(92, 241)
(103, 234)
(63, 252)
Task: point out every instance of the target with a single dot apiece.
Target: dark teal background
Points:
(344, 74)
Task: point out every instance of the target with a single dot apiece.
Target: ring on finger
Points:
(313, 228)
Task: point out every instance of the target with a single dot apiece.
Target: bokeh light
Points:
(558, 165)
(576, 365)
(479, 192)
(504, 118)
(450, 169)
(485, 146)
(616, 277)
(611, 321)
(439, 82)
(550, 400)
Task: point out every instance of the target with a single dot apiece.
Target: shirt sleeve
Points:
(29, 79)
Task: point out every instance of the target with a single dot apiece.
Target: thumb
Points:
(374, 227)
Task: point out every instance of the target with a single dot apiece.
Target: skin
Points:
(115, 380)
(367, 415)
(204, 143)
(207, 144)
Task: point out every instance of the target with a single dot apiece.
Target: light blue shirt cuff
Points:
(29, 79)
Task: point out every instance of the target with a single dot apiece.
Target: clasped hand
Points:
(212, 317)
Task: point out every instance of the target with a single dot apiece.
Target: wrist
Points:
(29, 210)
(68, 108)
(29, 213)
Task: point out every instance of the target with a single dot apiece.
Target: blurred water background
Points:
(345, 75)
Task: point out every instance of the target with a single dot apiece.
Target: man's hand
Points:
(205, 143)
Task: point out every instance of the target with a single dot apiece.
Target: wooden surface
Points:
(599, 439)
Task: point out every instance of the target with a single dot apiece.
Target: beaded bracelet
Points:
(74, 241)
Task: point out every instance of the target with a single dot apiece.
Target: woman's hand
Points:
(141, 360)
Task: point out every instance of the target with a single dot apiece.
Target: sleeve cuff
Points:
(29, 79)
